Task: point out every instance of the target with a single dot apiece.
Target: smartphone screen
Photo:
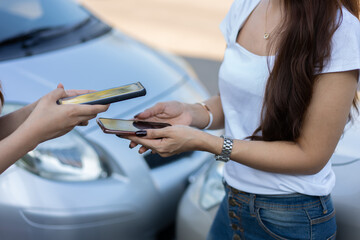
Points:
(120, 126)
(107, 96)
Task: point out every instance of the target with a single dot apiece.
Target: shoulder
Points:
(349, 20)
(349, 25)
(242, 8)
(345, 44)
(239, 10)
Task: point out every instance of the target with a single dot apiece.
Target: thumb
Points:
(157, 133)
(60, 85)
(57, 94)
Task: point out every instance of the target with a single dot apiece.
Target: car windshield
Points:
(21, 16)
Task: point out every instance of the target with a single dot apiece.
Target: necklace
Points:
(266, 34)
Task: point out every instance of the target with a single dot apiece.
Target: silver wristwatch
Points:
(226, 150)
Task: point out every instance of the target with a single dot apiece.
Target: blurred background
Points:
(183, 27)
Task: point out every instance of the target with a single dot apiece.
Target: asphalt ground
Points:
(187, 28)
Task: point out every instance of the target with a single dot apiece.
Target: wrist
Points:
(29, 108)
(209, 113)
(26, 138)
(209, 143)
(227, 146)
(30, 134)
(201, 116)
(192, 110)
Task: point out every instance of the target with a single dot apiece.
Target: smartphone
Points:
(127, 127)
(108, 95)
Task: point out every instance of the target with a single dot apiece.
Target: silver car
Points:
(87, 184)
(201, 200)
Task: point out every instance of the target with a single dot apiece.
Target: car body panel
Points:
(109, 61)
(193, 223)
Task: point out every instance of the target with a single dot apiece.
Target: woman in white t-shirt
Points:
(287, 84)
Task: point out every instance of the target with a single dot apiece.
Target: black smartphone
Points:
(108, 95)
(127, 127)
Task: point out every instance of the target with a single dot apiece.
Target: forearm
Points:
(200, 116)
(278, 156)
(15, 146)
(10, 122)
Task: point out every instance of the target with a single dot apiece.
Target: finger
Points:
(82, 120)
(76, 92)
(150, 112)
(85, 123)
(142, 149)
(150, 135)
(157, 133)
(57, 94)
(88, 110)
(165, 155)
(148, 143)
(60, 85)
(132, 144)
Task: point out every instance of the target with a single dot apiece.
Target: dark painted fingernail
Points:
(141, 133)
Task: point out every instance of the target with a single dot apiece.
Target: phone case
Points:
(108, 100)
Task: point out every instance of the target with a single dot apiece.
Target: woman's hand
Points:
(170, 140)
(49, 120)
(175, 113)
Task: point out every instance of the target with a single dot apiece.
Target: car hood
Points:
(105, 62)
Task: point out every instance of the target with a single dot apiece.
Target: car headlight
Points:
(67, 158)
(212, 191)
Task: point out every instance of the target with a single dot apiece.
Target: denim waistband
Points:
(283, 201)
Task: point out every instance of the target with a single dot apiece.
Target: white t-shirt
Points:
(242, 81)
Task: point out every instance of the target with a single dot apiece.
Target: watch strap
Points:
(226, 150)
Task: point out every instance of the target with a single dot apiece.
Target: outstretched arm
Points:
(323, 125)
(10, 122)
(47, 120)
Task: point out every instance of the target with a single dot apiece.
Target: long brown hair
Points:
(305, 42)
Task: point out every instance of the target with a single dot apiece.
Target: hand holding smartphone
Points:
(107, 96)
(127, 127)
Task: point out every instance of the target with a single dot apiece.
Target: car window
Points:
(21, 16)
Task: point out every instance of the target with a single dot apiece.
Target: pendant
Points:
(266, 36)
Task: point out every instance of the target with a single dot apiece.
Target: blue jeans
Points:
(248, 216)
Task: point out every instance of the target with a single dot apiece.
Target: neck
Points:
(276, 3)
(275, 6)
